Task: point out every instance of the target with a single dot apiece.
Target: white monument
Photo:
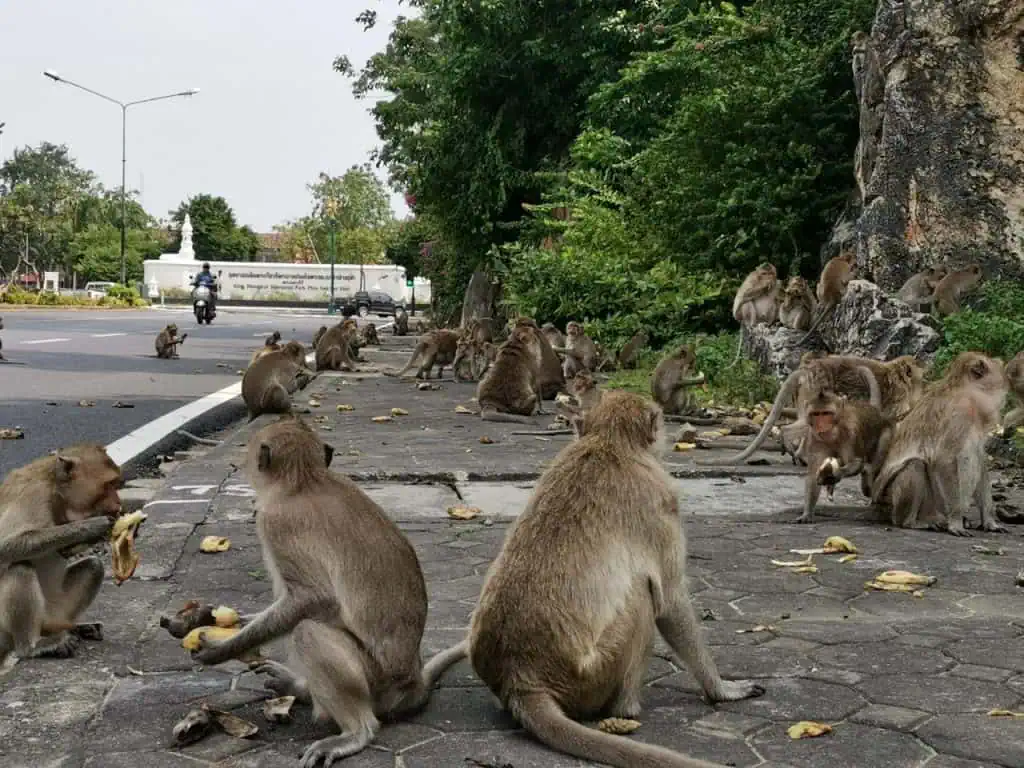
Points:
(185, 250)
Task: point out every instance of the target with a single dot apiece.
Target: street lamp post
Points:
(330, 209)
(124, 157)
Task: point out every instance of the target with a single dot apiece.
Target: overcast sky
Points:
(270, 115)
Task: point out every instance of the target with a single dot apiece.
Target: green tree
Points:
(216, 235)
(96, 252)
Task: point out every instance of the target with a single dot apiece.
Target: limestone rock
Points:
(940, 161)
(867, 323)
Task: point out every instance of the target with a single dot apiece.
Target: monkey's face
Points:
(822, 415)
(172, 329)
(573, 330)
(580, 384)
(88, 480)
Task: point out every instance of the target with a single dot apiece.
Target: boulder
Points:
(939, 164)
(867, 323)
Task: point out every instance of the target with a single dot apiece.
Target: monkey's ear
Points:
(65, 466)
(328, 454)
(264, 462)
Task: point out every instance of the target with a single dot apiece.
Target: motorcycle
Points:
(202, 304)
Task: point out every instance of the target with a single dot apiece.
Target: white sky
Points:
(270, 115)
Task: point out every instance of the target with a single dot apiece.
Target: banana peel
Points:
(124, 558)
(808, 729)
(906, 578)
(226, 617)
(618, 726)
(215, 544)
(837, 544)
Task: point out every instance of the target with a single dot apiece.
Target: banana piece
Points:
(191, 641)
(124, 558)
(905, 577)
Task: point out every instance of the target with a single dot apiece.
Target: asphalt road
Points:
(105, 356)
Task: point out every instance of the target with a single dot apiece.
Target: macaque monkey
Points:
(511, 391)
(936, 465)
(319, 335)
(475, 355)
(585, 395)
(844, 438)
(54, 504)
(479, 329)
(334, 348)
(835, 277)
(551, 377)
(671, 379)
(553, 335)
(401, 325)
(594, 566)
(167, 342)
(798, 305)
(918, 290)
(335, 560)
(579, 350)
(757, 301)
(631, 350)
(895, 386)
(950, 288)
(435, 348)
(270, 381)
(369, 335)
(1015, 378)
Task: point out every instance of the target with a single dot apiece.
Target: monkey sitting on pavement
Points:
(401, 325)
(510, 391)
(579, 350)
(844, 438)
(334, 347)
(593, 567)
(550, 375)
(585, 395)
(369, 335)
(671, 379)
(270, 381)
(167, 342)
(936, 465)
(52, 505)
(348, 592)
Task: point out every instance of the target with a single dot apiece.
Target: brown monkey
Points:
(479, 329)
(401, 325)
(835, 277)
(631, 350)
(756, 301)
(270, 344)
(551, 376)
(475, 355)
(950, 288)
(672, 377)
(167, 342)
(510, 391)
(334, 348)
(52, 505)
(579, 350)
(585, 395)
(1015, 378)
(553, 335)
(435, 348)
(270, 381)
(843, 438)
(593, 567)
(895, 386)
(936, 465)
(369, 335)
(348, 591)
(797, 305)
(319, 335)
(917, 291)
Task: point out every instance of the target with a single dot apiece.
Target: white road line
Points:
(135, 442)
(43, 341)
(105, 335)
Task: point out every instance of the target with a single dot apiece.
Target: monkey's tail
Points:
(739, 350)
(787, 391)
(875, 393)
(440, 663)
(542, 717)
(822, 311)
(412, 362)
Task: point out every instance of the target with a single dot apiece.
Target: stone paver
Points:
(905, 681)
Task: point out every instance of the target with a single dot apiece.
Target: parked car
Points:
(97, 290)
(365, 303)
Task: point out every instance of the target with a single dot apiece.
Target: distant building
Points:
(270, 246)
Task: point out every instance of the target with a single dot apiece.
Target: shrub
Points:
(995, 326)
(123, 293)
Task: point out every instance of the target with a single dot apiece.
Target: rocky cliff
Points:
(940, 162)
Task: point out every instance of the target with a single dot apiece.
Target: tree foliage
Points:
(216, 235)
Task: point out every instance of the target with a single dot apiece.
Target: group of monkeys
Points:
(762, 298)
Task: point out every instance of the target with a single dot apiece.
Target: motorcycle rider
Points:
(205, 277)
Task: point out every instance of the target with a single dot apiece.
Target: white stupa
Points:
(185, 251)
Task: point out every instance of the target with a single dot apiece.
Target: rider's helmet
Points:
(206, 265)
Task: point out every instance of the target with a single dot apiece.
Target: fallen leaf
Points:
(233, 725)
(192, 727)
(191, 641)
(211, 544)
(486, 440)
(381, 419)
(86, 403)
(1005, 713)
(314, 403)
(681, 447)
(463, 513)
(905, 577)
(12, 433)
(345, 407)
(223, 365)
(847, 558)
(462, 409)
(758, 628)
(225, 617)
(399, 412)
(981, 549)
(278, 710)
(618, 726)
(120, 404)
(807, 729)
(835, 544)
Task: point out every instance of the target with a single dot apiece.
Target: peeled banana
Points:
(124, 558)
(191, 641)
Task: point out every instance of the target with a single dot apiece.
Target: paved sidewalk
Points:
(905, 681)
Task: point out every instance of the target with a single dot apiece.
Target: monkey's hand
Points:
(828, 475)
(212, 652)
